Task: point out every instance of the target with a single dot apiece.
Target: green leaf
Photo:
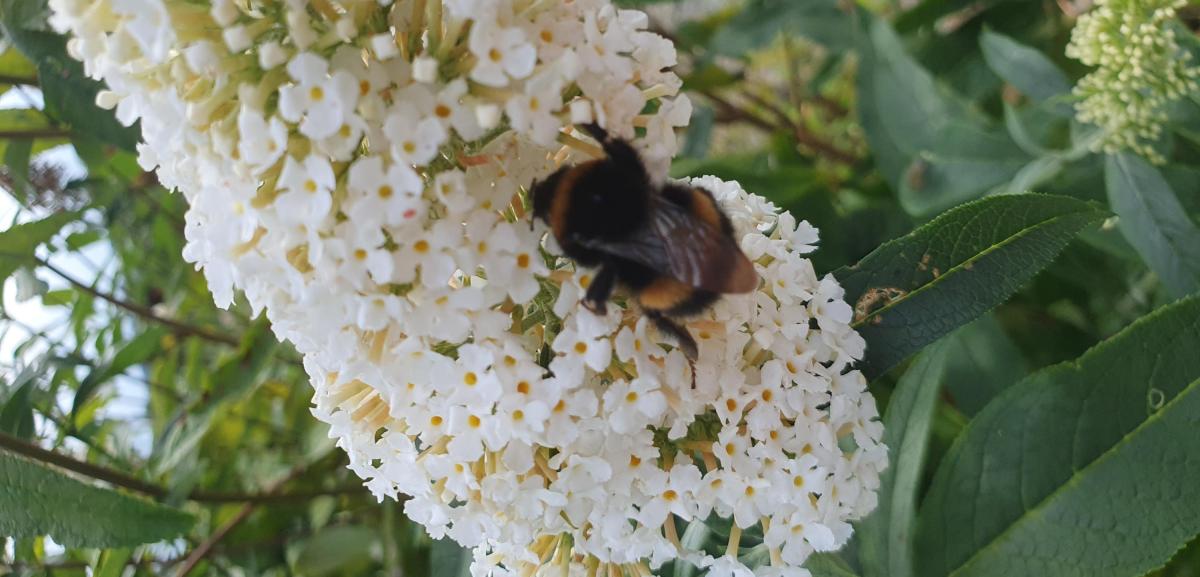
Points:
(1084, 469)
(38, 500)
(926, 141)
(344, 550)
(79, 240)
(826, 22)
(70, 96)
(112, 562)
(14, 65)
(912, 290)
(885, 538)
(16, 418)
(18, 243)
(139, 350)
(1154, 222)
(828, 565)
(448, 559)
(1025, 68)
(983, 362)
(36, 132)
(699, 133)
(236, 376)
(17, 152)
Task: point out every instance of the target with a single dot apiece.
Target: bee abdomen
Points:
(674, 298)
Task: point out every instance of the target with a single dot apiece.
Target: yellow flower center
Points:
(581, 347)
(360, 254)
(470, 379)
(316, 94)
(495, 55)
(474, 422)
(421, 246)
(631, 397)
(310, 185)
(385, 192)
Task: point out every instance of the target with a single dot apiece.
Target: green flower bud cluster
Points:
(1140, 70)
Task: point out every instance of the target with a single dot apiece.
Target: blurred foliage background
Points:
(867, 120)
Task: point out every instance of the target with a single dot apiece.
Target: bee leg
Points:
(686, 343)
(600, 291)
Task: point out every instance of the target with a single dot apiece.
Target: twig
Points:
(22, 447)
(782, 120)
(180, 328)
(22, 80)
(125, 481)
(202, 550)
(35, 133)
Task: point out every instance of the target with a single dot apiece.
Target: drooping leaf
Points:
(38, 500)
(70, 96)
(138, 350)
(16, 416)
(1087, 468)
(982, 362)
(1024, 67)
(449, 559)
(342, 550)
(927, 142)
(18, 243)
(235, 377)
(885, 538)
(911, 291)
(1154, 222)
(760, 22)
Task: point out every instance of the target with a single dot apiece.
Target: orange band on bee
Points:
(664, 294)
(561, 201)
(704, 207)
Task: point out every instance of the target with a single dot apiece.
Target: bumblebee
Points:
(671, 246)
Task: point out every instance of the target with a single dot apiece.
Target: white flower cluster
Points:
(360, 168)
(1140, 70)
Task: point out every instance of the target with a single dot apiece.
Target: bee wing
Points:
(686, 248)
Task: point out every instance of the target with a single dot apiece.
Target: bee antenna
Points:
(596, 132)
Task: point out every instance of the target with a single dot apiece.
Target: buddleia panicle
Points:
(1139, 70)
(358, 170)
